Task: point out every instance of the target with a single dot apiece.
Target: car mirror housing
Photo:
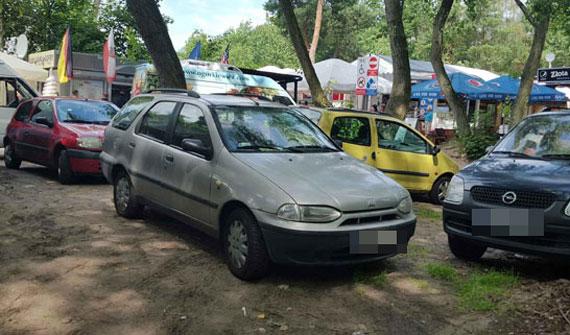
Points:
(44, 121)
(488, 149)
(435, 150)
(197, 146)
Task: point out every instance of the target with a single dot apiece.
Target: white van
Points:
(13, 90)
(214, 78)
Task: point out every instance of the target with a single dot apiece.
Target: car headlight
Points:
(567, 210)
(455, 189)
(90, 142)
(405, 205)
(293, 212)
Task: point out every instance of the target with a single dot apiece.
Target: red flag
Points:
(109, 60)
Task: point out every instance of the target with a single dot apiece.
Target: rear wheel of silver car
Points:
(243, 245)
(465, 249)
(64, 172)
(124, 197)
(439, 189)
(10, 159)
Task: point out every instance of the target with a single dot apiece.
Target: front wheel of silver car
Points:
(465, 249)
(124, 198)
(243, 245)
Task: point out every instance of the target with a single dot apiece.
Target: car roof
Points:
(220, 99)
(360, 112)
(565, 112)
(59, 97)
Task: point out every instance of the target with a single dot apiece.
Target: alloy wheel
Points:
(237, 244)
(442, 190)
(122, 193)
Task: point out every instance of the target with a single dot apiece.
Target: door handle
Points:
(26, 132)
(132, 144)
(373, 156)
(169, 158)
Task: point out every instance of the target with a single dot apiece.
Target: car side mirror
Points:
(435, 150)
(44, 121)
(488, 149)
(197, 146)
(338, 143)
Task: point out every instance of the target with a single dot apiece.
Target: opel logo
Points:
(371, 202)
(509, 198)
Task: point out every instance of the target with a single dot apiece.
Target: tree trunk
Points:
(317, 93)
(317, 31)
(2, 27)
(402, 84)
(533, 61)
(455, 104)
(155, 36)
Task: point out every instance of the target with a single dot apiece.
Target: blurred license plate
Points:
(382, 242)
(507, 222)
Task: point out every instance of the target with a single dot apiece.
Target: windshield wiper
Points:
(320, 147)
(515, 154)
(271, 147)
(82, 121)
(557, 156)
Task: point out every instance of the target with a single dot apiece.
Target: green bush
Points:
(474, 145)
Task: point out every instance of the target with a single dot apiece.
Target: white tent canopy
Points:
(340, 76)
(275, 69)
(28, 71)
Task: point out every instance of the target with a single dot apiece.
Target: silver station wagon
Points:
(261, 178)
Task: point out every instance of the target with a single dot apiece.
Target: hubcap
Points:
(442, 190)
(237, 244)
(122, 194)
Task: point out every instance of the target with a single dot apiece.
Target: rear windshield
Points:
(257, 129)
(129, 112)
(80, 111)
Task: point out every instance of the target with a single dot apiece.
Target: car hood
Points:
(519, 174)
(81, 129)
(331, 179)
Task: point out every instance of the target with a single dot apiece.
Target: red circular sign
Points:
(373, 62)
(361, 82)
(475, 83)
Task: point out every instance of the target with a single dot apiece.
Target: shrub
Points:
(474, 145)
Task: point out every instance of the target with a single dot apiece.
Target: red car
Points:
(64, 134)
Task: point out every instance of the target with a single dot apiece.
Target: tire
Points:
(64, 172)
(465, 249)
(243, 245)
(437, 193)
(11, 160)
(126, 204)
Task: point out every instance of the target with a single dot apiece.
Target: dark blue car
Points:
(516, 197)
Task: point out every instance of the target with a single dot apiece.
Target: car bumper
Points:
(84, 161)
(555, 242)
(296, 247)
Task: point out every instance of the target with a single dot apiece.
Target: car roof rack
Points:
(173, 90)
(245, 95)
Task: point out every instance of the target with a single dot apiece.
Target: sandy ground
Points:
(70, 265)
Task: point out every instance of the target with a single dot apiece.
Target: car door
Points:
(38, 137)
(356, 136)
(403, 155)
(147, 144)
(188, 175)
(20, 126)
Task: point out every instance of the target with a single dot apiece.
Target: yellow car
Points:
(390, 145)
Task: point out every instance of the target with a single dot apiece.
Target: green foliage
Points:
(481, 290)
(483, 136)
(441, 271)
(370, 278)
(428, 214)
(249, 47)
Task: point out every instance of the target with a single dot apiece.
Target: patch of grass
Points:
(441, 271)
(360, 291)
(419, 251)
(481, 291)
(427, 214)
(421, 284)
(370, 278)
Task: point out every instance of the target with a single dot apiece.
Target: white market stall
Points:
(29, 72)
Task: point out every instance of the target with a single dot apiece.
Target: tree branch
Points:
(526, 12)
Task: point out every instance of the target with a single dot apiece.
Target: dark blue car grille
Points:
(525, 199)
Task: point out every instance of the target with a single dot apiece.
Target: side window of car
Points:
(191, 124)
(8, 97)
(155, 122)
(397, 137)
(23, 113)
(43, 109)
(130, 111)
(349, 129)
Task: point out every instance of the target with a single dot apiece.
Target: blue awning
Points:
(467, 88)
(539, 93)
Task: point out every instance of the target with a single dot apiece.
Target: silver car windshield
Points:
(259, 129)
(539, 137)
